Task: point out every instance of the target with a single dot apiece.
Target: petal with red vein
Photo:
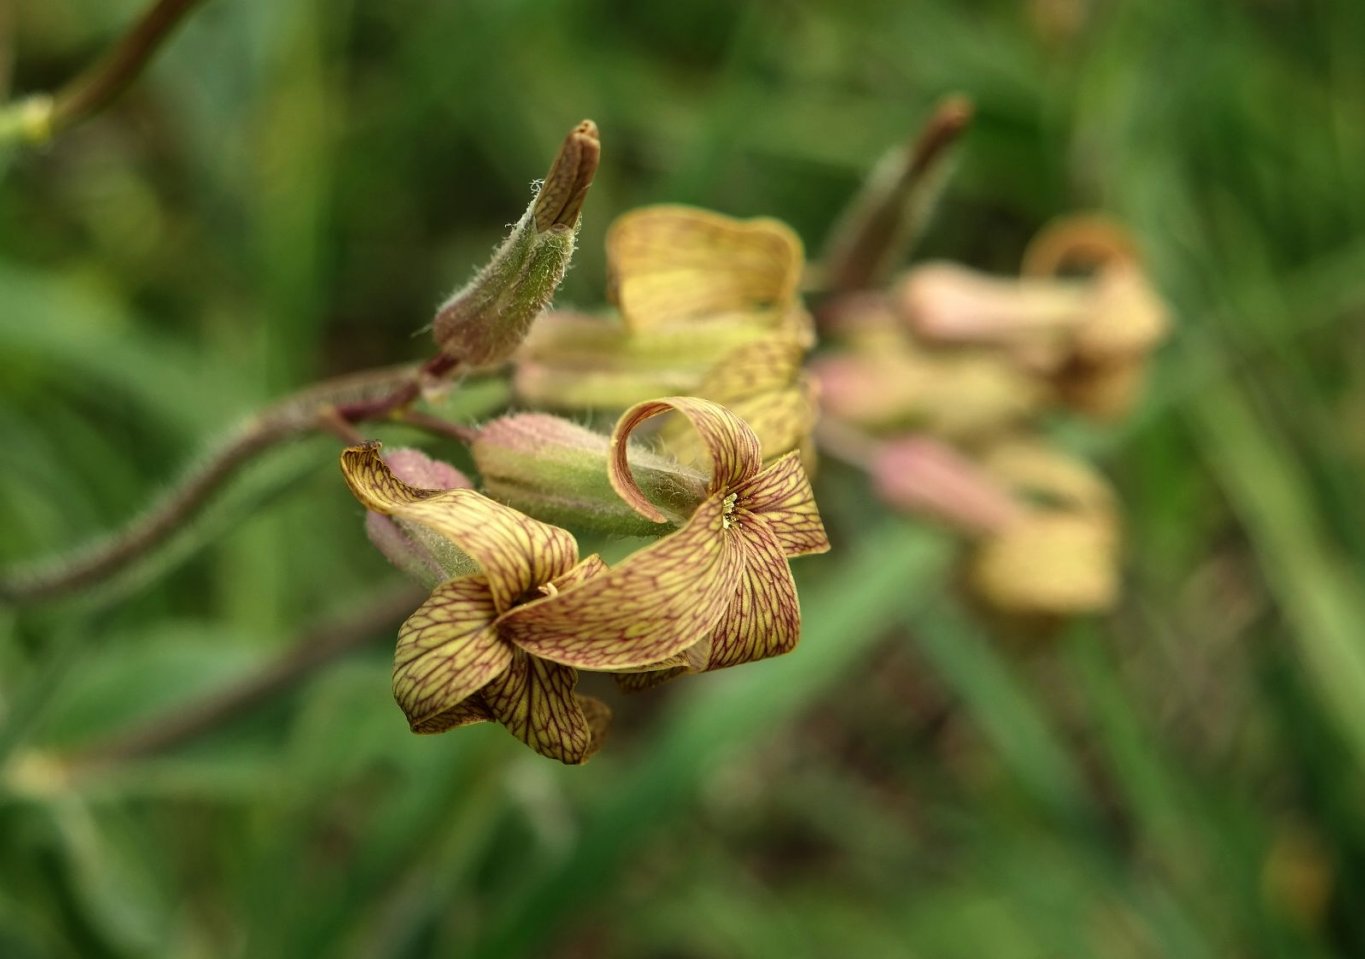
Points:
(763, 617)
(674, 264)
(447, 650)
(655, 603)
(535, 700)
(733, 448)
(516, 553)
(781, 494)
(467, 713)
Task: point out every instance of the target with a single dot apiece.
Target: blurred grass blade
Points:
(1323, 599)
(886, 575)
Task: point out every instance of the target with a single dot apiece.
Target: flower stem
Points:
(40, 117)
(335, 405)
(318, 647)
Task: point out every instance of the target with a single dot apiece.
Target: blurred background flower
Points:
(202, 759)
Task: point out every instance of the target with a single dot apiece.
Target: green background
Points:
(293, 187)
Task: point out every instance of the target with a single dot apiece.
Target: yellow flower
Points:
(719, 589)
(455, 664)
(708, 306)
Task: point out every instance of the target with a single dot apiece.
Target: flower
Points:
(718, 590)
(704, 301)
(454, 663)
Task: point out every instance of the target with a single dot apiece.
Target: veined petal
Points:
(467, 713)
(598, 715)
(763, 617)
(586, 569)
(690, 660)
(760, 367)
(782, 496)
(535, 700)
(517, 553)
(782, 420)
(447, 650)
(638, 682)
(671, 264)
(734, 450)
(656, 603)
(762, 384)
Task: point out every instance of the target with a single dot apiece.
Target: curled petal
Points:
(598, 715)
(671, 264)
(447, 650)
(517, 553)
(733, 447)
(467, 713)
(781, 494)
(656, 603)
(587, 568)
(638, 682)
(763, 616)
(690, 660)
(762, 384)
(535, 700)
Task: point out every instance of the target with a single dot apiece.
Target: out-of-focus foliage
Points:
(291, 190)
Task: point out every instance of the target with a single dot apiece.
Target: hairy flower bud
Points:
(556, 471)
(485, 321)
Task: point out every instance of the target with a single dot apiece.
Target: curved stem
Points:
(334, 404)
(323, 644)
(39, 117)
(90, 90)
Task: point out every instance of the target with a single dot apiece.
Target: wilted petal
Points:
(516, 553)
(654, 604)
(447, 650)
(671, 264)
(535, 700)
(733, 448)
(763, 617)
(781, 494)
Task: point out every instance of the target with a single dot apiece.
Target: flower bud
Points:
(556, 471)
(1048, 563)
(923, 476)
(416, 551)
(946, 303)
(485, 321)
(884, 219)
(949, 393)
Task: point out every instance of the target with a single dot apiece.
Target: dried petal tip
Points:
(566, 185)
(485, 321)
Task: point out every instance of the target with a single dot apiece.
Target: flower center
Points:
(727, 511)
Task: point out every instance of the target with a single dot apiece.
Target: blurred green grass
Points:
(292, 188)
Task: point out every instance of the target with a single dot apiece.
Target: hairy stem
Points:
(334, 405)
